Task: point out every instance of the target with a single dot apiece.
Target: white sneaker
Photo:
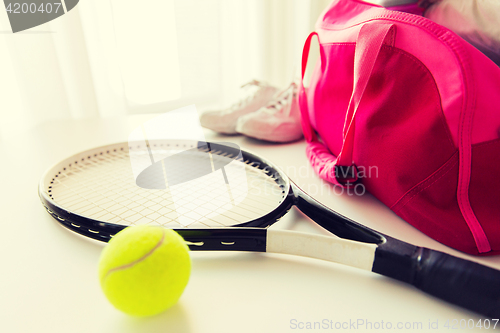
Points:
(224, 121)
(279, 121)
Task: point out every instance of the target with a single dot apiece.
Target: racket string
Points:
(95, 187)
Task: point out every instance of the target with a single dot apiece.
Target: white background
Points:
(116, 57)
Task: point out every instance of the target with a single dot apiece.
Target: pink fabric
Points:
(414, 111)
(411, 8)
(437, 54)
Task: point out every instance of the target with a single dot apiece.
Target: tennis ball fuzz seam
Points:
(133, 263)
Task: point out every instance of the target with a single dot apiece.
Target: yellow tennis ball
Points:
(144, 270)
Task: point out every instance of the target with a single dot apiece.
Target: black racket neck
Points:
(332, 221)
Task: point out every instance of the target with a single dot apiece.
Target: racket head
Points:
(95, 193)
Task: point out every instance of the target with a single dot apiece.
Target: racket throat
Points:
(332, 221)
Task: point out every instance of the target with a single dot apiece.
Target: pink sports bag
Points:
(403, 96)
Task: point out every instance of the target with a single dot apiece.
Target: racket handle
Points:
(458, 281)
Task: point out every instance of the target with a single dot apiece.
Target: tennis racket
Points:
(99, 192)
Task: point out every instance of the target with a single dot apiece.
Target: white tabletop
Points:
(49, 275)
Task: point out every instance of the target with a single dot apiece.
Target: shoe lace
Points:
(243, 102)
(283, 100)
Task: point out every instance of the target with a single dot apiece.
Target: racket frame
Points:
(248, 236)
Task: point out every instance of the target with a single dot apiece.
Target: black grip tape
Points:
(458, 281)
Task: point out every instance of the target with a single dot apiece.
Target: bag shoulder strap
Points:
(342, 171)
